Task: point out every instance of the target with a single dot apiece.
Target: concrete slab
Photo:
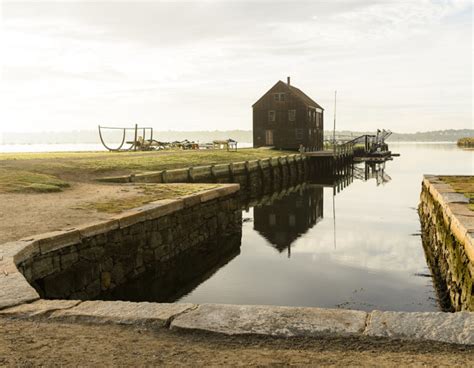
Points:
(38, 308)
(228, 189)
(456, 328)
(443, 188)
(54, 240)
(130, 217)
(164, 207)
(30, 249)
(270, 320)
(99, 227)
(454, 198)
(467, 222)
(209, 195)
(460, 209)
(7, 266)
(12, 248)
(151, 314)
(15, 290)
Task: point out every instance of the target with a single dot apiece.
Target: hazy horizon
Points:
(199, 66)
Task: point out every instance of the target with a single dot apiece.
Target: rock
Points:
(105, 279)
(150, 314)
(270, 320)
(457, 328)
(14, 290)
(38, 308)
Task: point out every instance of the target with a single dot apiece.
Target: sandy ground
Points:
(27, 344)
(26, 214)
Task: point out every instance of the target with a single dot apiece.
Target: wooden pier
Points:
(366, 148)
(327, 162)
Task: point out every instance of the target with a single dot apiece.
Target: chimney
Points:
(288, 80)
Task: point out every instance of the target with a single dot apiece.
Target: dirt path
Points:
(26, 214)
(24, 343)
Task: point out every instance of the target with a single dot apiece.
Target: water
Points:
(368, 256)
(360, 249)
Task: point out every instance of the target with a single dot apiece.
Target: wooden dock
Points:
(320, 154)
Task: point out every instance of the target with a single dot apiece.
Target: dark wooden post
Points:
(136, 137)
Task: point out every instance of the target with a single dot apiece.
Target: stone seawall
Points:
(84, 262)
(448, 243)
(255, 177)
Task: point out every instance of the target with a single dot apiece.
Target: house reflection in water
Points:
(286, 219)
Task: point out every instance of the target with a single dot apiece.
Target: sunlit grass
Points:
(149, 193)
(25, 181)
(103, 163)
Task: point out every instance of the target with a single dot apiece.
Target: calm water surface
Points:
(360, 249)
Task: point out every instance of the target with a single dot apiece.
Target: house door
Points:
(269, 137)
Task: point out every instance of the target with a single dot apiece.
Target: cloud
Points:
(213, 59)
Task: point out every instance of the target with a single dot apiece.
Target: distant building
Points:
(285, 117)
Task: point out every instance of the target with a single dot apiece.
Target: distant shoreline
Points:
(97, 147)
(91, 136)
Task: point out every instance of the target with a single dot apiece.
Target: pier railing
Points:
(359, 145)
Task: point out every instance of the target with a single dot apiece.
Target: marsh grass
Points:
(466, 142)
(148, 193)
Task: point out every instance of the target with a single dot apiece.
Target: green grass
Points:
(24, 181)
(462, 184)
(466, 142)
(90, 165)
(149, 193)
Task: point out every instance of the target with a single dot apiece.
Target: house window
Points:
(279, 96)
(291, 115)
(299, 202)
(292, 220)
(271, 115)
(299, 134)
(272, 219)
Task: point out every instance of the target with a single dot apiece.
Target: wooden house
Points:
(286, 118)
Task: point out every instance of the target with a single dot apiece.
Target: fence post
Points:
(136, 137)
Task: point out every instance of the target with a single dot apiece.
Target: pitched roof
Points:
(303, 96)
(296, 92)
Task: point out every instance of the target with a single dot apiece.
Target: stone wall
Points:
(255, 177)
(448, 245)
(85, 262)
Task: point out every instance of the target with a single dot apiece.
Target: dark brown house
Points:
(285, 117)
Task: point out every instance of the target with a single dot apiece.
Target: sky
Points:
(200, 65)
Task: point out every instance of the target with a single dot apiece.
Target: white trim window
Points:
(291, 115)
(280, 96)
(271, 115)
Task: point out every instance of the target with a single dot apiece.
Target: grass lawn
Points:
(148, 193)
(12, 180)
(462, 184)
(21, 171)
